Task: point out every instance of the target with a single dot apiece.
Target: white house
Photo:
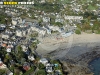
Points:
(31, 57)
(8, 50)
(38, 29)
(59, 20)
(42, 1)
(66, 34)
(5, 36)
(54, 28)
(24, 48)
(20, 33)
(14, 22)
(47, 29)
(46, 19)
(43, 61)
(73, 17)
(2, 25)
(49, 68)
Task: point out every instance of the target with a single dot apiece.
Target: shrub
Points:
(77, 31)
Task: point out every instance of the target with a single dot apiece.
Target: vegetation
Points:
(2, 72)
(41, 66)
(30, 71)
(41, 72)
(77, 31)
(47, 7)
(58, 24)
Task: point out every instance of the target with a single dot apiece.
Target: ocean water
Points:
(94, 65)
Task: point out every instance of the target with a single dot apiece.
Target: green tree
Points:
(77, 31)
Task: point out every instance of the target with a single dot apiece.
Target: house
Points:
(12, 27)
(9, 72)
(4, 45)
(54, 28)
(26, 66)
(46, 19)
(31, 57)
(42, 1)
(24, 48)
(2, 26)
(21, 32)
(66, 34)
(8, 50)
(16, 20)
(43, 61)
(58, 72)
(5, 36)
(59, 20)
(49, 68)
(47, 29)
(38, 29)
(73, 17)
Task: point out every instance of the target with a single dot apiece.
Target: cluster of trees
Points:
(77, 31)
(59, 24)
(89, 14)
(2, 18)
(47, 7)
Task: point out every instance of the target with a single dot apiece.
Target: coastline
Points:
(82, 49)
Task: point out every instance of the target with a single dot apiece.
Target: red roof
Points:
(4, 45)
(26, 68)
(1, 64)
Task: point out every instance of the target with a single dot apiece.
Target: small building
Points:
(26, 66)
(5, 36)
(49, 68)
(4, 45)
(8, 50)
(43, 61)
(31, 57)
(46, 19)
(21, 32)
(24, 48)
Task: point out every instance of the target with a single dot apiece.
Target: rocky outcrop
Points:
(75, 69)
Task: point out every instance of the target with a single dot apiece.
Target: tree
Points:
(19, 48)
(77, 31)
(41, 66)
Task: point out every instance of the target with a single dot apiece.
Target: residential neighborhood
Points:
(23, 26)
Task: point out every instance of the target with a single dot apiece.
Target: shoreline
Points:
(75, 48)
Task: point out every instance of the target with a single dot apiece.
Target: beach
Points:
(75, 50)
(69, 47)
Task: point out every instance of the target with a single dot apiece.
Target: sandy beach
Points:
(68, 47)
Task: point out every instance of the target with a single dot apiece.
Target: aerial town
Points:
(25, 29)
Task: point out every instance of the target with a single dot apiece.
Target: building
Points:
(31, 57)
(24, 48)
(26, 66)
(49, 68)
(73, 17)
(43, 61)
(6, 36)
(8, 50)
(21, 32)
(46, 19)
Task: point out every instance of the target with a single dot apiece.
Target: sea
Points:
(94, 65)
